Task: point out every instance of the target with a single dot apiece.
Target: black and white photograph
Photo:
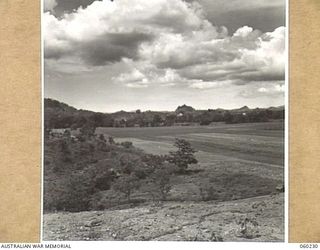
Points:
(164, 120)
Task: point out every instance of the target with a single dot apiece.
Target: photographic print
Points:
(164, 120)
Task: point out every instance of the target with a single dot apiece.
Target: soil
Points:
(253, 219)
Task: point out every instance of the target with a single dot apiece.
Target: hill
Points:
(184, 109)
(61, 115)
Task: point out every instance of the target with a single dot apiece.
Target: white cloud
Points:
(243, 31)
(164, 42)
(122, 25)
(208, 85)
(49, 5)
(258, 89)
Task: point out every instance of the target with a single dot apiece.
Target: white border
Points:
(286, 154)
(42, 115)
(185, 245)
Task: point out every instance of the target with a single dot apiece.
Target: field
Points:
(239, 161)
(259, 142)
(239, 174)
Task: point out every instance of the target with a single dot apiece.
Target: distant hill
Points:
(244, 108)
(58, 106)
(61, 115)
(184, 109)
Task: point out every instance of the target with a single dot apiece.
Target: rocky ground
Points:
(253, 219)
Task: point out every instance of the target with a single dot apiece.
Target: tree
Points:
(87, 131)
(127, 184)
(161, 180)
(64, 152)
(102, 143)
(170, 120)
(184, 156)
(111, 140)
(157, 120)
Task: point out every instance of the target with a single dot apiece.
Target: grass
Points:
(235, 161)
(261, 142)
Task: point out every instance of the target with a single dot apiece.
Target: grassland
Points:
(237, 161)
(259, 142)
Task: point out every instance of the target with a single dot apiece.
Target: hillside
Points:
(254, 219)
(61, 115)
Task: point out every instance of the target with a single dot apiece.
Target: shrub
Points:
(72, 193)
(127, 144)
(64, 152)
(87, 131)
(248, 228)
(161, 181)
(207, 192)
(111, 140)
(127, 184)
(183, 156)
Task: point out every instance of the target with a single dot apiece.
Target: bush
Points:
(207, 192)
(127, 184)
(184, 156)
(161, 181)
(69, 194)
(127, 144)
(248, 228)
(87, 131)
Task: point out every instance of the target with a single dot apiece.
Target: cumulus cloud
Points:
(165, 42)
(49, 5)
(106, 25)
(265, 89)
(142, 75)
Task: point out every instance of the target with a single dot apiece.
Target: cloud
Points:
(142, 75)
(49, 5)
(271, 89)
(253, 56)
(114, 30)
(208, 85)
(163, 42)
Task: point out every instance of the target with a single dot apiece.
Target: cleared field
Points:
(238, 161)
(260, 142)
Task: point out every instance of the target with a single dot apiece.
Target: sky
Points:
(116, 55)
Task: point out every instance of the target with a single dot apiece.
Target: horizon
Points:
(147, 110)
(157, 54)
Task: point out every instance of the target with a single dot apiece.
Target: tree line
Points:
(60, 115)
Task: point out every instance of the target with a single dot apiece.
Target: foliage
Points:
(126, 144)
(183, 156)
(61, 115)
(70, 193)
(87, 131)
(207, 192)
(248, 228)
(161, 181)
(127, 184)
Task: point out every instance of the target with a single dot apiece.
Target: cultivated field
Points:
(258, 142)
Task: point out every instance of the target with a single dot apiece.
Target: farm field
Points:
(259, 142)
(238, 161)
